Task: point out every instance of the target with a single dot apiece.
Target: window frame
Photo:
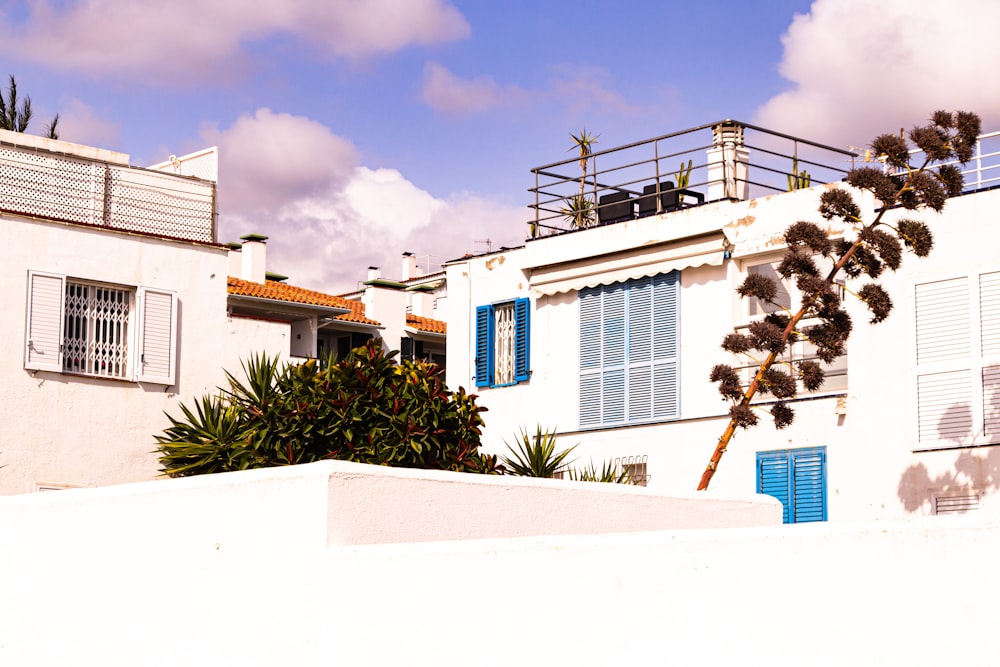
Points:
(620, 342)
(485, 343)
(957, 361)
(753, 310)
(150, 329)
(801, 495)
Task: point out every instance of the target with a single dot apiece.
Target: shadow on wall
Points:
(974, 469)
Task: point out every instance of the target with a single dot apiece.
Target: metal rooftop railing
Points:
(982, 172)
(727, 160)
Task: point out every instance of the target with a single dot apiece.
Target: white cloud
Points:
(269, 159)
(860, 68)
(445, 92)
(185, 41)
(587, 90)
(328, 218)
(81, 124)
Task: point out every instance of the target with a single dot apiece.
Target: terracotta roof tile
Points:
(277, 291)
(426, 324)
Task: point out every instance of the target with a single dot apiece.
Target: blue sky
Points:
(350, 131)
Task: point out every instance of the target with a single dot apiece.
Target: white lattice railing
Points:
(51, 185)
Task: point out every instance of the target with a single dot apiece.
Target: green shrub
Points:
(364, 407)
(536, 455)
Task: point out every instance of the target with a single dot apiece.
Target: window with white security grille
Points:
(95, 329)
(787, 296)
(958, 361)
(503, 318)
(95, 337)
(502, 343)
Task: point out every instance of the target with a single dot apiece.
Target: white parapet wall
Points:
(339, 563)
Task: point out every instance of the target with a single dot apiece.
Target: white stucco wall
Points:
(247, 336)
(76, 430)
(250, 569)
(869, 432)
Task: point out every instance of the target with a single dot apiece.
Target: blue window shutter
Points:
(522, 340)
(796, 477)
(590, 356)
(773, 479)
(665, 328)
(484, 346)
(809, 484)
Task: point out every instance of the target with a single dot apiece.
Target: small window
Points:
(502, 343)
(796, 477)
(787, 296)
(636, 468)
(100, 330)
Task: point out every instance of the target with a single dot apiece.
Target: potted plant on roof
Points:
(579, 209)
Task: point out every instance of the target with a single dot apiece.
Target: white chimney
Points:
(254, 252)
(728, 163)
(409, 266)
(235, 260)
(373, 273)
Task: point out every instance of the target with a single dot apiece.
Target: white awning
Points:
(634, 263)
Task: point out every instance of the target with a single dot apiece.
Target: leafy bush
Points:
(364, 407)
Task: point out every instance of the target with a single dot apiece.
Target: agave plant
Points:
(608, 473)
(536, 455)
(584, 143)
(213, 437)
(579, 211)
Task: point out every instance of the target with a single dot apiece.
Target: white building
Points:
(267, 315)
(410, 310)
(608, 333)
(117, 297)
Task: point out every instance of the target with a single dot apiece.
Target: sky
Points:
(350, 131)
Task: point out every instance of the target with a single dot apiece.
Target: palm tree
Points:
(580, 209)
(15, 117)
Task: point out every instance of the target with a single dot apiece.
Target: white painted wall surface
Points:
(77, 430)
(873, 471)
(247, 336)
(246, 569)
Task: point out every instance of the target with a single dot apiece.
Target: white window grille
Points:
(788, 297)
(100, 330)
(504, 343)
(96, 326)
(636, 468)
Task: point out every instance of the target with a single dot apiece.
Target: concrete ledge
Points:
(340, 503)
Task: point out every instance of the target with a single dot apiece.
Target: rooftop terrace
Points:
(57, 180)
(726, 160)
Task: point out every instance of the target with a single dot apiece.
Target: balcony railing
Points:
(57, 186)
(727, 160)
(982, 172)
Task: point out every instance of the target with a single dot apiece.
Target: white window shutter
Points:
(43, 329)
(157, 349)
